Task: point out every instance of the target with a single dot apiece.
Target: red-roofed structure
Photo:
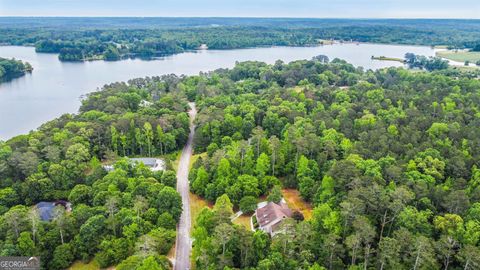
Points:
(270, 216)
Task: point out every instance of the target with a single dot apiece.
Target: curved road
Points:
(184, 242)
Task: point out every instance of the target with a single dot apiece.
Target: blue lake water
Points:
(55, 87)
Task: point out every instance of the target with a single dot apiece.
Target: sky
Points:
(245, 8)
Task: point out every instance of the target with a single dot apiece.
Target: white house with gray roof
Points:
(155, 164)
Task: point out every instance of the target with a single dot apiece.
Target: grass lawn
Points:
(79, 265)
(196, 205)
(171, 253)
(243, 220)
(460, 56)
(295, 202)
(326, 42)
(466, 69)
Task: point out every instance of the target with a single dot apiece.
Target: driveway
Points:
(184, 243)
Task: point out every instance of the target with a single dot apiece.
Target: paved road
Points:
(184, 242)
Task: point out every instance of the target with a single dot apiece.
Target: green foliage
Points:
(103, 212)
(80, 194)
(112, 252)
(111, 53)
(168, 200)
(89, 233)
(62, 257)
(275, 194)
(422, 62)
(392, 177)
(223, 204)
(113, 38)
(248, 204)
(388, 160)
(25, 245)
(11, 68)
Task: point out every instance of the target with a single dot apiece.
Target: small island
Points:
(384, 58)
(12, 68)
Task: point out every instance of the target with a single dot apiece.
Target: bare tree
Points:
(275, 145)
(112, 207)
(146, 246)
(34, 218)
(140, 205)
(60, 219)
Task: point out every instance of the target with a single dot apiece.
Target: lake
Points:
(55, 87)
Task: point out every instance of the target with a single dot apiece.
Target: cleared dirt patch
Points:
(243, 220)
(295, 202)
(196, 205)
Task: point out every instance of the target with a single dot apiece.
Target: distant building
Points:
(270, 216)
(108, 168)
(45, 209)
(155, 164)
(145, 103)
(203, 47)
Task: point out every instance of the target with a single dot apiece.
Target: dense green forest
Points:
(389, 160)
(115, 38)
(11, 68)
(126, 217)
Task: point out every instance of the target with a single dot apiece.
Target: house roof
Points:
(45, 210)
(151, 162)
(272, 212)
(155, 164)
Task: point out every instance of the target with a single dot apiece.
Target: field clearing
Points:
(467, 69)
(460, 56)
(79, 265)
(196, 205)
(326, 42)
(243, 220)
(295, 202)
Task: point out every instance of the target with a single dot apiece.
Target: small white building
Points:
(270, 216)
(155, 164)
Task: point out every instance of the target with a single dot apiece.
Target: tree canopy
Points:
(387, 158)
(11, 68)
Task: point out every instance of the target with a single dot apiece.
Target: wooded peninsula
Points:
(11, 68)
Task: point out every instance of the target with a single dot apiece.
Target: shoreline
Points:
(454, 62)
(199, 50)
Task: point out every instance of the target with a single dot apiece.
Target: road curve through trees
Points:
(184, 242)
